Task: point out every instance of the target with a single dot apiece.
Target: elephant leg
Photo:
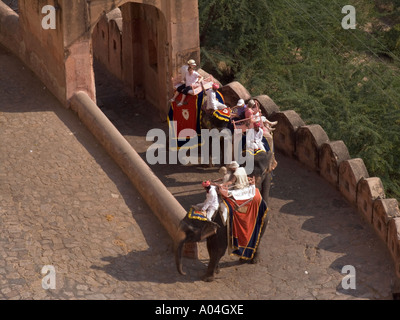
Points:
(265, 187)
(213, 267)
(216, 250)
(212, 248)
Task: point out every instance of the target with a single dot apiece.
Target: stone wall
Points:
(311, 146)
(158, 36)
(131, 43)
(107, 42)
(41, 50)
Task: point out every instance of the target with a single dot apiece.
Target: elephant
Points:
(262, 172)
(216, 232)
(215, 119)
(209, 121)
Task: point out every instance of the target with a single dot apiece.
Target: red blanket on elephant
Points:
(184, 122)
(245, 224)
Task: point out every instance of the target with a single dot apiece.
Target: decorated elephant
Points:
(219, 119)
(220, 233)
(214, 119)
(197, 228)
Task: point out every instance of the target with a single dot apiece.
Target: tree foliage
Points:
(297, 52)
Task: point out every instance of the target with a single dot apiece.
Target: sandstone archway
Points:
(155, 40)
(131, 43)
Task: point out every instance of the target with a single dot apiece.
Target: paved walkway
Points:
(65, 203)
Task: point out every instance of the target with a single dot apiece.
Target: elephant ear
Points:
(192, 229)
(197, 230)
(210, 228)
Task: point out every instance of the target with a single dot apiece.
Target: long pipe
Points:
(163, 204)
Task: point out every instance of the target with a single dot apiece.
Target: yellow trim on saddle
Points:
(197, 215)
(220, 115)
(255, 153)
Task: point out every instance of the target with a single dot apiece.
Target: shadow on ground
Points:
(331, 231)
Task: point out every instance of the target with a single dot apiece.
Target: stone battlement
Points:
(311, 146)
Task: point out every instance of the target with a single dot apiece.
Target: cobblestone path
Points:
(65, 203)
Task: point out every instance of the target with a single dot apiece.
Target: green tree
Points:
(297, 52)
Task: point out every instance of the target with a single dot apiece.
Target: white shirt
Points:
(211, 200)
(212, 101)
(191, 78)
(256, 117)
(241, 178)
(254, 139)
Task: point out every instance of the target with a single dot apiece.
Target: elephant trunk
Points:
(192, 231)
(178, 256)
(258, 182)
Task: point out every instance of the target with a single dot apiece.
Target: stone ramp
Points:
(65, 203)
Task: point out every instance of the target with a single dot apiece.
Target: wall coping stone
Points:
(234, 91)
(331, 155)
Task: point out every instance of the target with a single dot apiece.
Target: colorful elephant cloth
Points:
(184, 118)
(188, 116)
(223, 115)
(197, 214)
(245, 224)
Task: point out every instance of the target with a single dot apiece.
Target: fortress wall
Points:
(139, 44)
(107, 43)
(157, 38)
(310, 145)
(40, 49)
(10, 32)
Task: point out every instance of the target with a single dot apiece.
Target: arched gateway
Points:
(157, 36)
